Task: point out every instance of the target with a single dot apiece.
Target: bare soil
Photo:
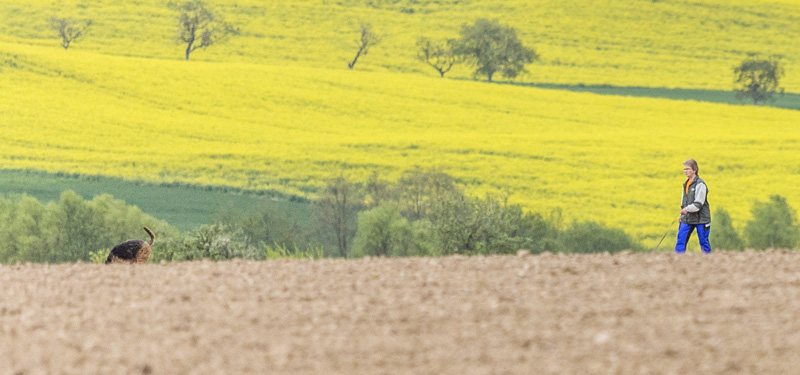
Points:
(724, 313)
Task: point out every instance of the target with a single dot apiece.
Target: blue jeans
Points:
(685, 231)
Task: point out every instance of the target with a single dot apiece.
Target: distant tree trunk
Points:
(337, 208)
(341, 223)
(189, 47)
(351, 64)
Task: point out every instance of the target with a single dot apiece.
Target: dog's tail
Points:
(152, 236)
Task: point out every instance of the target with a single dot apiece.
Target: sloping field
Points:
(667, 43)
(611, 159)
(276, 110)
(726, 313)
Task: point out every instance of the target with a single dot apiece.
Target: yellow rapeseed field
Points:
(662, 43)
(275, 108)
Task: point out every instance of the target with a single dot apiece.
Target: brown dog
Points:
(132, 251)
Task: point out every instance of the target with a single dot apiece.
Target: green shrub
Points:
(382, 231)
(212, 241)
(71, 229)
(723, 235)
(591, 237)
(99, 256)
(280, 251)
(773, 225)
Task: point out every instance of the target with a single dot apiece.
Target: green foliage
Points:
(424, 213)
(493, 48)
(383, 231)
(222, 241)
(271, 223)
(183, 206)
(427, 214)
(69, 230)
(336, 211)
(723, 234)
(417, 191)
(216, 241)
(99, 256)
(592, 237)
(454, 223)
(758, 79)
(773, 225)
(280, 252)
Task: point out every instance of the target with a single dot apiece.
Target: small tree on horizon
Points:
(758, 78)
(438, 54)
(199, 27)
(69, 30)
(494, 48)
(366, 40)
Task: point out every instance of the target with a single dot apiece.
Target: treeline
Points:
(423, 213)
(426, 213)
(71, 229)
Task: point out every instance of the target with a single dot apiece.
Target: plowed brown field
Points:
(723, 313)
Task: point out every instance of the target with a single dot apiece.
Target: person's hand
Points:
(684, 212)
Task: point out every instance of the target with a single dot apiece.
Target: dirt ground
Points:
(724, 313)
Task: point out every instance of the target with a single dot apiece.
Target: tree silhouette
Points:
(439, 55)
(758, 78)
(199, 27)
(69, 29)
(365, 41)
(494, 48)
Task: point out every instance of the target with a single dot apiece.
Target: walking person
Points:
(695, 210)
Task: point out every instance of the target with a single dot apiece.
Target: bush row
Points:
(71, 229)
(424, 213)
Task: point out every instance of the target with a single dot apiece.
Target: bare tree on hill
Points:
(365, 41)
(199, 27)
(437, 54)
(69, 29)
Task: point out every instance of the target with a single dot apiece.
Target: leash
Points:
(665, 234)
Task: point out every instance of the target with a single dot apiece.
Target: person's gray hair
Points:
(691, 163)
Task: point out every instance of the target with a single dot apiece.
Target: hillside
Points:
(663, 43)
(122, 103)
